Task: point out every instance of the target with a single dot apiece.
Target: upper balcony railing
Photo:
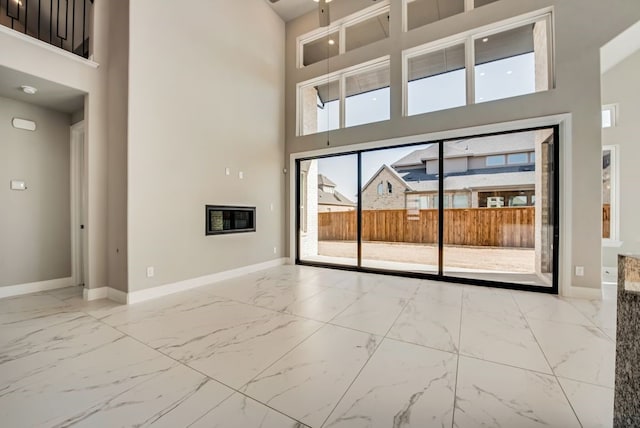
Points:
(66, 24)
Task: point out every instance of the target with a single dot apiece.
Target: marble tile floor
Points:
(306, 347)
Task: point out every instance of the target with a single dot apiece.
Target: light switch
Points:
(18, 185)
(227, 171)
(241, 175)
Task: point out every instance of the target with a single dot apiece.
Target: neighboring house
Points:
(481, 172)
(385, 190)
(329, 199)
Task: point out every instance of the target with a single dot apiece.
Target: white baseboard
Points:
(176, 287)
(188, 284)
(105, 293)
(583, 293)
(34, 287)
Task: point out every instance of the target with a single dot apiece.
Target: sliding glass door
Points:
(327, 217)
(499, 208)
(399, 226)
(480, 209)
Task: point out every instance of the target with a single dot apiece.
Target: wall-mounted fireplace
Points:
(222, 219)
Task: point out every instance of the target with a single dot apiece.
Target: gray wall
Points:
(207, 95)
(32, 58)
(117, 134)
(35, 223)
(621, 85)
(577, 91)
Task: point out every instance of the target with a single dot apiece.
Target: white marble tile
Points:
(19, 308)
(547, 307)
(274, 294)
(240, 411)
(403, 385)
(494, 395)
(75, 386)
(66, 293)
(442, 292)
(611, 332)
(371, 313)
(307, 383)
(229, 341)
(391, 286)
(502, 339)
(174, 398)
(429, 323)
(601, 312)
(489, 300)
(577, 352)
(593, 404)
(35, 346)
(324, 305)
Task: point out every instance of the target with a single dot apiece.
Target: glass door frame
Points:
(440, 276)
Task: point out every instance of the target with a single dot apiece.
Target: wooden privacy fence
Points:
(493, 227)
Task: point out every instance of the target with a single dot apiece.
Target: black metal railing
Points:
(66, 24)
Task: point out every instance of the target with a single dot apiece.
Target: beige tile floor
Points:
(299, 346)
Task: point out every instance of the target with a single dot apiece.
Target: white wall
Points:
(34, 223)
(621, 86)
(206, 92)
(577, 92)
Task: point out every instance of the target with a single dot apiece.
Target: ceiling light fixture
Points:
(29, 90)
(485, 40)
(326, 1)
(332, 42)
(509, 72)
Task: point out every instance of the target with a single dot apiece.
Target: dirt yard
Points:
(485, 258)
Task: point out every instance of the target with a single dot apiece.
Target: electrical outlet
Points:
(150, 272)
(579, 270)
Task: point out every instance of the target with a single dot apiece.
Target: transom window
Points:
(503, 60)
(351, 97)
(360, 29)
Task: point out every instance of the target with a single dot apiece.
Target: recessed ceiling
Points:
(291, 9)
(50, 95)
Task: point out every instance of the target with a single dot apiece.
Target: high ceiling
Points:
(291, 9)
(50, 95)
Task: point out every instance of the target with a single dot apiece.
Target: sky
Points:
(495, 80)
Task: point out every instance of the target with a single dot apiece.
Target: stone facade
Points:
(392, 195)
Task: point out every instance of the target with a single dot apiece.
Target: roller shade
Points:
(434, 63)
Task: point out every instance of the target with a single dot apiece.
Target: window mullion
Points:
(470, 69)
(342, 88)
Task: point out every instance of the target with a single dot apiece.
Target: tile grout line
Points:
(366, 362)
(526, 320)
(206, 375)
(194, 369)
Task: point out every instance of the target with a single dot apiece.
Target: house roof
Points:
(323, 180)
(483, 146)
(392, 171)
(478, 181)
(335, 198)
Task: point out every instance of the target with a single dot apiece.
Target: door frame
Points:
(440, 276)
(78, 201)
